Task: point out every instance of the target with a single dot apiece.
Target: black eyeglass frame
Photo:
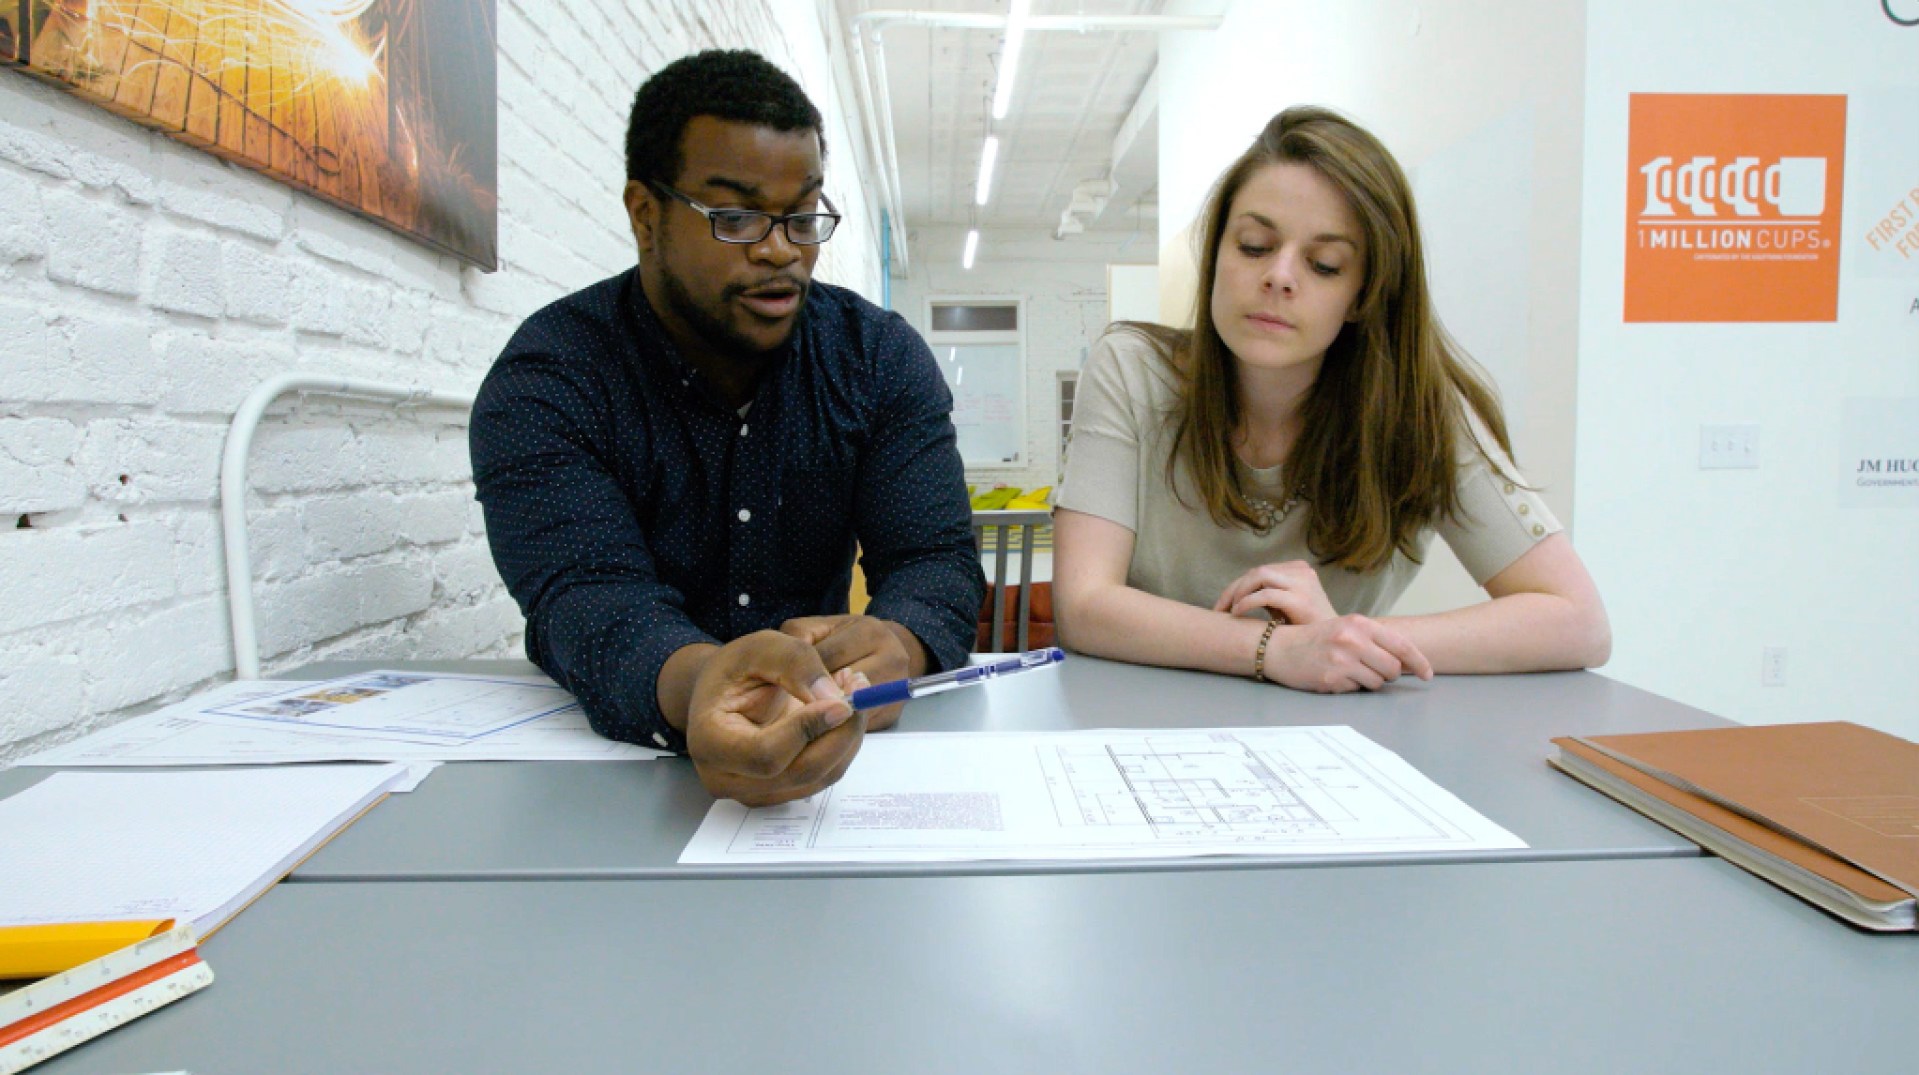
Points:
(773, 220)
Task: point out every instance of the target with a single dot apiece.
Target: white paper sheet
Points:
(184, 734)
(419, 707)
(918, 797)
(86, 847)
(416, 774)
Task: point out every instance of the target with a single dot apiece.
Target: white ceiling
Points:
(1074, 91)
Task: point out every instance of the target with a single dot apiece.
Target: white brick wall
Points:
(146, 288)
(1064, 282)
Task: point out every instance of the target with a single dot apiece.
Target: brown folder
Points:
(1829, 810)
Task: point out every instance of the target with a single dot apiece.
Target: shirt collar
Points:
(651, 331)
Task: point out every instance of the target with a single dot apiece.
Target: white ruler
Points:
(93, 1020)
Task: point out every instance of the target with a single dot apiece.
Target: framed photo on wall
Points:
(384, 107)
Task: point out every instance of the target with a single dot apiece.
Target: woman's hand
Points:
(1345, 653)
(1289, 592)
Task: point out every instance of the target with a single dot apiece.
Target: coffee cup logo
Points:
(1796, 186)
(1790, 186)
(1729, 216)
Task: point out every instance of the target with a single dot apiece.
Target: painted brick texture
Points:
(146, 288)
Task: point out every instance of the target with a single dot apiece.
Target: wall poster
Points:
(384, 107)
(1733, 207)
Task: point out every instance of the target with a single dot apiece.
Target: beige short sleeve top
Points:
(1116, 469)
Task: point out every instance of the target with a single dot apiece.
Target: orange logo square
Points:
(1732, 207)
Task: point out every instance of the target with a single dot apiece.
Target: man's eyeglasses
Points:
(751, 226)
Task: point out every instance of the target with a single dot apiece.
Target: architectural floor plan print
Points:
(1220, 786)
(960, 796)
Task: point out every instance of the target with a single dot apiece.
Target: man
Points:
(675, 463)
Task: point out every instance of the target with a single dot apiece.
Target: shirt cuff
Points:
(947, 643)
(639, 677)
(618, 682)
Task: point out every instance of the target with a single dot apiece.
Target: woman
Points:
(1249, 496)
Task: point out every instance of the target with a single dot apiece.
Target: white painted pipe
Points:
(892, 162)
(233, 486)
(1085, 24)
(876, 146)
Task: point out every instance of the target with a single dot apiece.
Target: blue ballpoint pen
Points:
(900, 690)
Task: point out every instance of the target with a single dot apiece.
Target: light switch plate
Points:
(1772, 666)
(1728, 447)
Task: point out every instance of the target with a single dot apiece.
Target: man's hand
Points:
(876, 648)
(766, 724)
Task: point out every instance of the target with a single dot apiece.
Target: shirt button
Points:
(745, 600)
(1509, 487)
(1523, 509)
(1537, 530)
(746, 516)
(742, 430)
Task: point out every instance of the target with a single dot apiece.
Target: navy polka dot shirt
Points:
(631, 512)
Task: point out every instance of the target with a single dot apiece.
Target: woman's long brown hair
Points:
(1376, 461)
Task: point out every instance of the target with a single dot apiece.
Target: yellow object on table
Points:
(994, 499)
(37, 951)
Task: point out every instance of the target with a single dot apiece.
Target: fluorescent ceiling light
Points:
(972, 247)
(983, 188)
(1009, 60)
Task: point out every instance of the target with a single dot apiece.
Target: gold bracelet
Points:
(1259, 655)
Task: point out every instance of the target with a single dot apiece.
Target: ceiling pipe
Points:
(1092, 196)
(876, 98)
(876, 147)
(891, 162)
(1089, 199)
(957, 20)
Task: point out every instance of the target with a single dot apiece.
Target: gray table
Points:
(1642, 966)
(1484, 738)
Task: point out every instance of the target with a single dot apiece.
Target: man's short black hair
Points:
(730, 84)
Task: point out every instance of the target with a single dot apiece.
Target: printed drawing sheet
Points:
(420, 707)
(920, 797)
(193, 733)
